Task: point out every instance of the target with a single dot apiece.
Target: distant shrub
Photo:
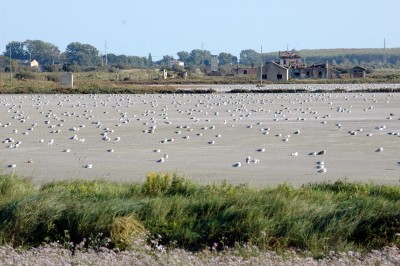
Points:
(53, 77)
(89, 69)
(123, 66)
(71, 67)
(52, 68)
(113, 70)
(25, 75)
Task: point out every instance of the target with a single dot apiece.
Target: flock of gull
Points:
(195, 131)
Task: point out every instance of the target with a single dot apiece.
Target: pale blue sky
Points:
(134, 27)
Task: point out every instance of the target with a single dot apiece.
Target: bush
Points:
(71, 67)
(158, 184)
(25, 75)
(52, 68)
(53, 77)
(113, 70)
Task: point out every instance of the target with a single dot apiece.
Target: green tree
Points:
(112, 59)
(227, 59)
(18, 51)
(184, 57)
(83, 54)
(149, 60)
(199, 57)
(5, 64)
(165, 60)
(137, 61)
(250, 58)
(123, 60)
(43, 52)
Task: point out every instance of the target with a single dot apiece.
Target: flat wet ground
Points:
(204, 137)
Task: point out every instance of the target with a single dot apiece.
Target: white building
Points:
(34, 63)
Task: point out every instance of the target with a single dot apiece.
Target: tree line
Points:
(346, 58)
(79, 55)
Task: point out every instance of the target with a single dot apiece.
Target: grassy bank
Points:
(318, 217)
(138, 81)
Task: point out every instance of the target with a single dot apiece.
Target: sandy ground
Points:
(88, 126)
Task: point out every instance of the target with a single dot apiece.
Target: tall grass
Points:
(338, 216)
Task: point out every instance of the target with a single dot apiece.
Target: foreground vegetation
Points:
(176, 213)
(145, 254)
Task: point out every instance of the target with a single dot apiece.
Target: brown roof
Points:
(287, 54)
(358, 67)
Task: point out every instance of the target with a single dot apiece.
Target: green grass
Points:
(321, 217)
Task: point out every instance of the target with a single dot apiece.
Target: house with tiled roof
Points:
(292, 66)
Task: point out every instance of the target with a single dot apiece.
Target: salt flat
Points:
(205, 137)
(308, 87)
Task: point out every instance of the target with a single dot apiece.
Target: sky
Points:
(133, 27)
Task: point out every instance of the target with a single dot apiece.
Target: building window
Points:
(308, 73)
(245, 72)
(297, 74)
(264, 76)
(279, 77)
(320, 74)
